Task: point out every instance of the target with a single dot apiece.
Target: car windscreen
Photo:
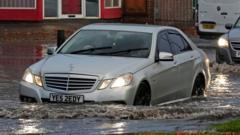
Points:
(237, 24)
(109, 43)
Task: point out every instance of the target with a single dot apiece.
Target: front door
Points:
(166, 74)
(186, 59)
(72, 8)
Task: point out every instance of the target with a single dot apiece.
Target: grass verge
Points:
(231, 126)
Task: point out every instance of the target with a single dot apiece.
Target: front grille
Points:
(236, 60)
(235, 45)
(69, 82)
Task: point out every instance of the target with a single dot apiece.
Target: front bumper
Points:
(227, 55)
(124, 94)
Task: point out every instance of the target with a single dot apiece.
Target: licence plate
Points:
(66, 98)
(238, 54)
(208, 26)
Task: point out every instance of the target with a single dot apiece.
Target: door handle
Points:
(192, 58)
(224, 13)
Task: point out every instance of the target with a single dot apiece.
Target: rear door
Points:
(185, 58)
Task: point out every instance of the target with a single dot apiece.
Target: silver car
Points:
(130, 64)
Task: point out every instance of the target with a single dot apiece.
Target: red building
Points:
(37, 10)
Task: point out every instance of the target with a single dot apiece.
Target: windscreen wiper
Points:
(91, 49)
(123, 51)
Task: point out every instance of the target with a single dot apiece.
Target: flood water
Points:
(222, 102)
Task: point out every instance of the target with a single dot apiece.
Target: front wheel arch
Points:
(148, 91)
(199, 85)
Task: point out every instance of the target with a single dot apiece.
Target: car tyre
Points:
(199, 87)
(143, 95)
(218, 59)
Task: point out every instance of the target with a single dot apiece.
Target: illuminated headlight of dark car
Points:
(223, 42)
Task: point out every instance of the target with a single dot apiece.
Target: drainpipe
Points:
(60, 37)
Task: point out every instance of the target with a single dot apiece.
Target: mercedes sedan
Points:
(123, 63)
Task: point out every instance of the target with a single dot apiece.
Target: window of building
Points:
(16, 4)
(112, 3)
(92, 8)
(51, 8)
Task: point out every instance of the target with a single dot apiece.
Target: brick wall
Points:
(178, 13)
(147, 17)
(41, 32)
(174, 12)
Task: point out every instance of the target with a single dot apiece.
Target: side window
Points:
(178, 43)
(187, 47)
(163, 43)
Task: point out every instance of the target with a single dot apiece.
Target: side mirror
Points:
(51, 50)
(229, 26)
(165, 56)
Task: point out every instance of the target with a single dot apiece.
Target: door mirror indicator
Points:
(165, 56)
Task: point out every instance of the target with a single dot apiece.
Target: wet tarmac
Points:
(222, 102)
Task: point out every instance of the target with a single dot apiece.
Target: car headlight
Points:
(222, 42)
(38, 80)
(104, 84)
(28, 76)
(31, 78)
(122, 81)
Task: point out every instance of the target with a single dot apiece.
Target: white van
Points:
(213, 15)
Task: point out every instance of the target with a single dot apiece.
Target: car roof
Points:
(126, 27)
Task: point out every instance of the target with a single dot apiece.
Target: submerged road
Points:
(222, 102)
